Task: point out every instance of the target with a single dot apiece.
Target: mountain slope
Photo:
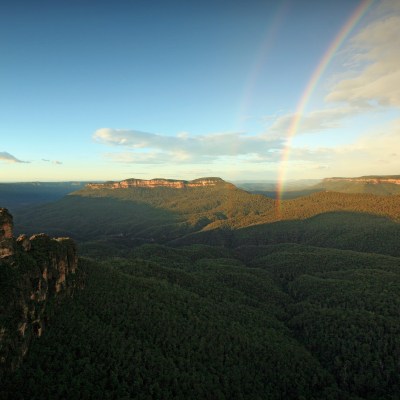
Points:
(340, 230)
(373, 184)
(217, 213)
(152, 213)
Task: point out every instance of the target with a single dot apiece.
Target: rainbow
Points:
(261, 59)
(312, 83)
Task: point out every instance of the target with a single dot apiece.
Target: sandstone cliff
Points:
(375, 180)
(34, 272)
(158, 182)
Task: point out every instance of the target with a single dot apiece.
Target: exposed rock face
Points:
(375, 180)
(6, 234)
(6, 224)
(34, 272)
(157, 182)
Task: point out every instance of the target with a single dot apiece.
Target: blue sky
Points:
(100, 90)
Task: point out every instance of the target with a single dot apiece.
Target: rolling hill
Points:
(161, 213)
(216, 213)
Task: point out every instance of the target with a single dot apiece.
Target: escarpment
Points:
(374, 180)
(34, 272)
(158, 182)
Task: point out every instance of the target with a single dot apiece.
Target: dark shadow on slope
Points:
(342, 230)
(288, 195)
(135, 216)
(85, 218)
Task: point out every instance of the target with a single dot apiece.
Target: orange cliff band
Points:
(151, 183)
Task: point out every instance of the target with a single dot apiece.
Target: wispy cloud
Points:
(371, 84)
(7, 157)
(150, 148)
(56, 162)
(314, 121)
(373, 153)
(377, 81)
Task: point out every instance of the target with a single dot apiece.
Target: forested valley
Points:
(189, 296)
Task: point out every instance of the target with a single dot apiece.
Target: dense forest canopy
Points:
(216, 293)
(164, 214)
(279, 321)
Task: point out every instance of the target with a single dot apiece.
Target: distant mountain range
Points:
(210, 211)
(372, 184)
(158, 182)
(380, 185)
(26, 194)
(23, 194)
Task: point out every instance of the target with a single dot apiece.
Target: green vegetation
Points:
(281, 321)
(223, 213)
(152, 214)
(288, 194)
(362, 185)
(216, 293)
(340, 230)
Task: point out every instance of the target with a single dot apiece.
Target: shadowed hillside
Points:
(219, 213)
(341, 230)
(160, 213)
(247, 301)
(280, 321)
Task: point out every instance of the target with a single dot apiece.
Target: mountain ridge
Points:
(158, 182)
(381, 185)
(374, 179)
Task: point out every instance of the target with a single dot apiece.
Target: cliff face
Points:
(367, 179)
(6, 234)
(34, 272)
(157, 182)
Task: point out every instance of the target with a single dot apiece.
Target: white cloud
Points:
(371, 85)
(150, 148)
(376, 49)
(372, 153)
(313, 122)
(4, 156)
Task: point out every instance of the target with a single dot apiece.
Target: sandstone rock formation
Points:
(34, 272)
(157, 182)
(6, 234)
(375, 180)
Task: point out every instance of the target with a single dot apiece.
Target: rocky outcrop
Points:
(157, 182)
(34, 273)
(6, 234)
(375, 180)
